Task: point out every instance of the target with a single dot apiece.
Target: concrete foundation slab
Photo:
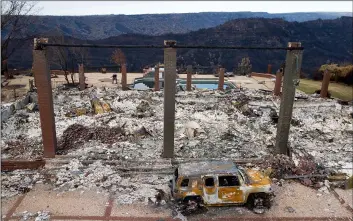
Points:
(346, 195)
(7, 204)
(305, 202)
(140, 211)
(88, 203)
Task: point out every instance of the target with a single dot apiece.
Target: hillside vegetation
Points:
(96, 27)
(322, 39)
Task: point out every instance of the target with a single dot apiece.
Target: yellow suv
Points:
(220, 183)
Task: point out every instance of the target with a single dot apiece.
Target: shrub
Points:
(343, 73)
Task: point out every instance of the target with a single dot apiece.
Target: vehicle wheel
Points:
(259, 203)
(193, 206)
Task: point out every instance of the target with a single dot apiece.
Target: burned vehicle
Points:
(221, 183)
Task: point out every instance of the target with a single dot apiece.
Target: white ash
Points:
(18, 182)
(42, 215)
(324, 129)
(133, 189)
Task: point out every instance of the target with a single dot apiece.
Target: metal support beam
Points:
(156, 78)
(188, 77)
(169, 100)
(291, 80)
(45, 98)
(221, 79)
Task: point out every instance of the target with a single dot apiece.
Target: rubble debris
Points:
(266, 91)
(161, 195)
(98, 106)
(193, 129)
(349, 183)
(18, 182)
(219, 115)
(32, 107)
(144, 110)
(24, 148)
(289, 209)
(75, 136)
(105, 106)
(182, 209)
(343, 102)
(274, 116)
(42, 215)
(295, 122)
(110, 119)
(305, 169)
(328, 93)
(228, 136)
(76, 112)
(143, 132)
(304, 176)
(307, 182)
(303, 97)
(280, 164)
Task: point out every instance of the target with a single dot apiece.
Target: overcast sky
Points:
(155, 7)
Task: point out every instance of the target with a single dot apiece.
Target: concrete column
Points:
(169, 99)
(188, 77)
(325, 83)
(123, 77)
(278, 83)
(81, 77)
(291, 77)
(156, 78)
(269, 68)
(221, 79)
(45, 98)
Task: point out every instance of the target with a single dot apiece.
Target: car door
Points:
(229, 189)
(210, 191)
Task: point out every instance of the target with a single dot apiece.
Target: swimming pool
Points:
(207, 84)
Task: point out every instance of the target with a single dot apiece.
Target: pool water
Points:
(200, 84)
(207, 86)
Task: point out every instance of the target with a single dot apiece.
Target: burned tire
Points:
(259, 202)
(192, 206)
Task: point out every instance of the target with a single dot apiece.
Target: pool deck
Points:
(293, 201)
(243, 81)
(105, 80)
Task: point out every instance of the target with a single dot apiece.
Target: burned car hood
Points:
(257, 178)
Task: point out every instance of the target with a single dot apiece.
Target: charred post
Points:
(188, 77)
(278, 83)
(221, 79)
(169, 98)
(123, 77)
(45, 98)
(156, 78)
(290, 81)
(269, 69)
(325, 83)
(81, 77)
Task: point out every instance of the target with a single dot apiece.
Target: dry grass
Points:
(338, 90)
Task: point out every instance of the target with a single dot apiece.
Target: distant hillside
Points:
(104, 26)
(322, 39)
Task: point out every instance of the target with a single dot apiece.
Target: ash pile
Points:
(208, 124)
